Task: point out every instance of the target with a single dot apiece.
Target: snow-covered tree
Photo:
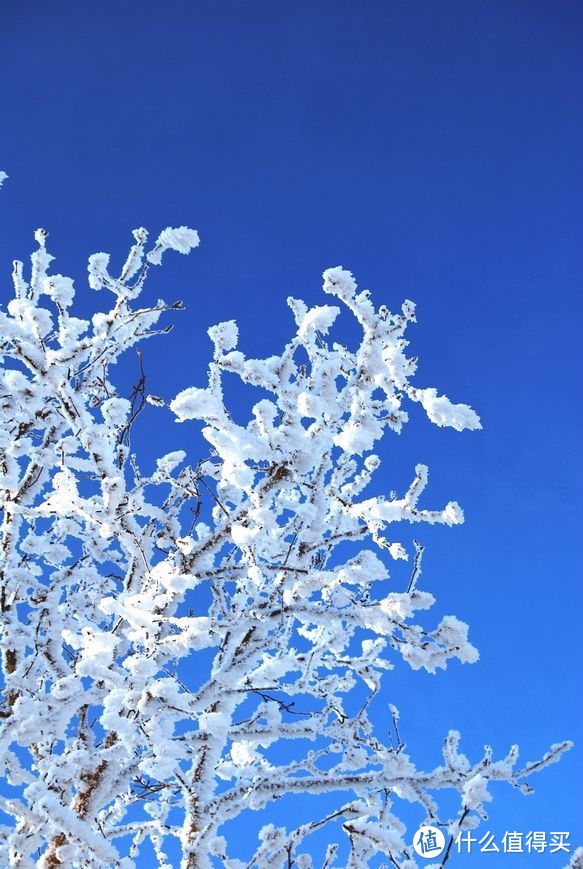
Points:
(172, 636)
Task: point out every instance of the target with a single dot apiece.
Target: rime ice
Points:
(114, 592)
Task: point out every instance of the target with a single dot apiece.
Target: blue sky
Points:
(434, 148)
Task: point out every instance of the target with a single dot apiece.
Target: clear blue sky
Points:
(435, 149)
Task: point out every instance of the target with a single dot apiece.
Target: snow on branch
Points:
(172, 637)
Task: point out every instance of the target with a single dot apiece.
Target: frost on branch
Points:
(172, 636)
